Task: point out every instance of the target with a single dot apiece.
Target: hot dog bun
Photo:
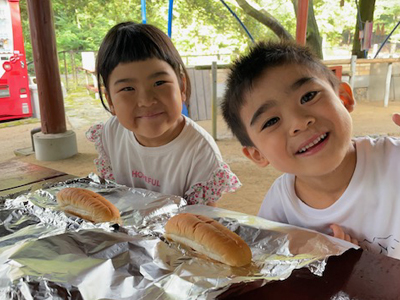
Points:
(208, 237)
(87, 205)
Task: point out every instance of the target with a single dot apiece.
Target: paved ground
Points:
(83, 110)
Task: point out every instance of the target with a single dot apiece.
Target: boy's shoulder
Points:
(379, 142)
(283, 185)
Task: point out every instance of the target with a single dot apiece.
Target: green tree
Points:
(366, 13)
(206, 26)
(313, 38)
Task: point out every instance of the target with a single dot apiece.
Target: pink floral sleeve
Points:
(223, 180)
(102, 163)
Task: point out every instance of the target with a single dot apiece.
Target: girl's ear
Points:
(255, 155)
(110, 104)
(346, 96)
(183, 87)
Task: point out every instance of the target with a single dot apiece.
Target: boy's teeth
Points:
(314, 142)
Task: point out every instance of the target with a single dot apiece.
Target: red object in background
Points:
(338, 71)
(15, 99)
(301, 22)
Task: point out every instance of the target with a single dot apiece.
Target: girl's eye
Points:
(270, 122)
(127, 89)
(160, 82)
(308, 97)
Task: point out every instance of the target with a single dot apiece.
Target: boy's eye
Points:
(160, 82)
(308, 97)
(270, 122)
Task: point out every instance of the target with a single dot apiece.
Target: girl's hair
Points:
(127, 42)
(248, 68)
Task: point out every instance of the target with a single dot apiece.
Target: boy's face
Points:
(297, 121)
(147, 99)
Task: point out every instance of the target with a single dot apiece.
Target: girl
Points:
(148, 143)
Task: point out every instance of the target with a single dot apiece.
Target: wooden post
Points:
(301, 25)
(52, 113)
(214, 99)
(65, 71)
(353, 62)
(387, 85)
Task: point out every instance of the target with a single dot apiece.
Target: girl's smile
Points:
(147, 99)
(150, 115)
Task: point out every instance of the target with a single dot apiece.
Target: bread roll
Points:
(208, 237)
(87, 205)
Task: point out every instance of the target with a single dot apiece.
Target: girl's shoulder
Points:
(97, 129)
(198, 136)
(94, 132)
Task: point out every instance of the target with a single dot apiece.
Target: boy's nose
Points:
(301, 123)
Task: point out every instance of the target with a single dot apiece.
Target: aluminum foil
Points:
(47, 254)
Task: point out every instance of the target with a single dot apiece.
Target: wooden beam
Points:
(361, 61)
(52, 113)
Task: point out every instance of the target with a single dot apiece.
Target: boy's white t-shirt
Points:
(190, 166)
(368, 210)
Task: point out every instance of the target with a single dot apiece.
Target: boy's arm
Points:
(396, 119)
(340, 234)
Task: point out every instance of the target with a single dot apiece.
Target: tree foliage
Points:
(203, 26)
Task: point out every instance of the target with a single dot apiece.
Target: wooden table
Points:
(356, 274)
(17, 176)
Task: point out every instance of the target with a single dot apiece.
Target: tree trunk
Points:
(265, 18)
(366, 13)
(313, 38)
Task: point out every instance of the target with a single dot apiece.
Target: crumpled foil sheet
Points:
(46, 254)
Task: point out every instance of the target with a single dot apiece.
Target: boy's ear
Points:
(110, 104)
(255, 155)
(346, 96)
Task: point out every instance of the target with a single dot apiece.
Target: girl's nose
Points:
(301, 123)
(146, 98)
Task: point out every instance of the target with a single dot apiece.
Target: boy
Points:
(288, 110)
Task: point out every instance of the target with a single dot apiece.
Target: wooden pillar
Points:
(387, 85)
(214, 70)
(52, 113)
(301, 25)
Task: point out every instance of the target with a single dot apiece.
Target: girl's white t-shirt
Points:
(368, 210)
(190, 166)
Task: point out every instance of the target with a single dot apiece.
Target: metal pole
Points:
(214, 99)
(143, 5)
(170, 9)
(237, 19)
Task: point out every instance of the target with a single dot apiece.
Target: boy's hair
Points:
(248, 68)
(127, 42)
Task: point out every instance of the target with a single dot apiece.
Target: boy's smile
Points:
(313, 145)
(297, 122)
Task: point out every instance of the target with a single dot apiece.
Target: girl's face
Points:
(297, 122)
(147, 99)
